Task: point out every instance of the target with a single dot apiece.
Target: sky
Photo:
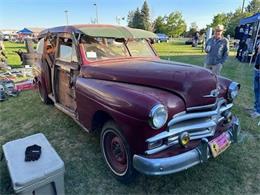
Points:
(17, 14)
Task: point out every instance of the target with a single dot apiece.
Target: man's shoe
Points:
(255, 115)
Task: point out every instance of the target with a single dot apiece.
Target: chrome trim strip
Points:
(162, 147)
(174, 131)
(175, 140)
(180, 113)
(199, 114)
(191, 116)
(202, 107)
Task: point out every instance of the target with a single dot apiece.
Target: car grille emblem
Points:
(213, 94)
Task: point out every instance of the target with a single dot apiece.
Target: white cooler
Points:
(42, 177)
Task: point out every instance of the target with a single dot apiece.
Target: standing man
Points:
(256, 112)
(217, 49)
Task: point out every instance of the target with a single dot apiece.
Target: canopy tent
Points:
(252, 19)
(25, 31)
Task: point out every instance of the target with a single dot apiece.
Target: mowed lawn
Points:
(236, 171)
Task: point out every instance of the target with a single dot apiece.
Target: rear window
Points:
(40, 46)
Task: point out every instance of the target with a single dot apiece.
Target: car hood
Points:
(189, 82)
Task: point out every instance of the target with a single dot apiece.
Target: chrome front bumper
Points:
(163, 166)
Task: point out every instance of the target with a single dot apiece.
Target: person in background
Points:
(256, 112)
(196, 39)
(217, 49)
(203, 39)
(241, 49)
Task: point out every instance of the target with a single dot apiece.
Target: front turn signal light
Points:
(184, 139)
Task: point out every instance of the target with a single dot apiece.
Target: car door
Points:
(65, 72)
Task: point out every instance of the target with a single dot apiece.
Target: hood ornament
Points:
(213, 94)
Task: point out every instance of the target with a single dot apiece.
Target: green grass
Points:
(237, 171)
(175, 48)
(13, 59)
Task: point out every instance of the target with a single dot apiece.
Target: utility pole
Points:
(243, 6)
(67, 17)
(96, 12)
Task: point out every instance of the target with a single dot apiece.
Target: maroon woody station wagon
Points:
(154, 116)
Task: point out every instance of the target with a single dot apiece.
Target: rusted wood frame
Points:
(59, 64)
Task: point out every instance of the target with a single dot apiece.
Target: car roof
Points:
(101, 30)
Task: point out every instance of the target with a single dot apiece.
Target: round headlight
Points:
(233, 90)
(158, 116)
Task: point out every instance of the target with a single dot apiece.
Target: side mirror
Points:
(120, 40)
(152, 41)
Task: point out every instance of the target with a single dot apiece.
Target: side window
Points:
(40, 46)
(67, 51)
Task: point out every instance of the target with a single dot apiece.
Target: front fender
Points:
(115, 96)
(133, 100)
(129, 105)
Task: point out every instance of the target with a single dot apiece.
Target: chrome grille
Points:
(197, 124)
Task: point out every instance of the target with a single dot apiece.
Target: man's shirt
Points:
(218, 51)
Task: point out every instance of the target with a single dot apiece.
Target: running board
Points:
(65, 110)
(71, 114)
(51, 97)
(84, 128)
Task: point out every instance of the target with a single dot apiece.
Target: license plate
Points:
(219, 144)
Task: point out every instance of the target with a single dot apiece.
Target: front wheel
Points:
(117, 153)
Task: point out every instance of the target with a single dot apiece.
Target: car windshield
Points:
(140, 48)
(104, 48)
(110, 48)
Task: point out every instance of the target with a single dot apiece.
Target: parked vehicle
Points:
(154, 116)
(191, 41)
(162, 37)
(6, 37)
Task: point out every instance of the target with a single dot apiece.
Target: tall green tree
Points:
(130, 17)
(220, 18)
(160, 25)
(140, 18)
(176, 25)
(137, 19)
(145, 16)
(253, 7)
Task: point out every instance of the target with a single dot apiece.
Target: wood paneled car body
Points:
(154, 116)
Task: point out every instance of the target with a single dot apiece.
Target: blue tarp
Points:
(250, 19)
(25, 31)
